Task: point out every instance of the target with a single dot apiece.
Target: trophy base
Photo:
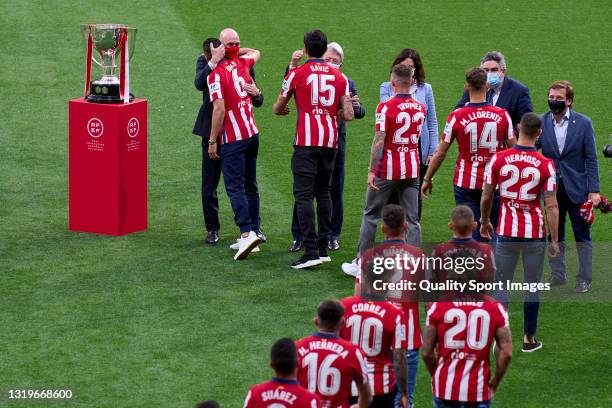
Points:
(105, 93)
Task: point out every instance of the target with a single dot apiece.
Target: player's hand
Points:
(428, 160)
(371, 182)
(486, 230)
(553, 250)
(595, 199)
(355, 101)
(296, 57)
(217, 54)
(251, 89)
(493, 384)
(426, 188)
(213, 151)
(404, 402)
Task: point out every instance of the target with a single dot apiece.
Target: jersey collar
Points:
(403, 95)
(525, 148)
(325, 335)
(283, 381)
(394, 241)
(478, 104)
(453, 239)
(315, 60)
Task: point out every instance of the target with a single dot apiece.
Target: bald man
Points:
(234, 137)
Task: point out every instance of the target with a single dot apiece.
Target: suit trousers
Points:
(582, 235)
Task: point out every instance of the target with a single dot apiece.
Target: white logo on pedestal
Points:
(95, 128)
(133, 127)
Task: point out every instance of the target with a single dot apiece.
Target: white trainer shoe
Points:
(351, 268)
(246, 245)
(236, 246)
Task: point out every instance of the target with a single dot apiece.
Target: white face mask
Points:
(337, 66)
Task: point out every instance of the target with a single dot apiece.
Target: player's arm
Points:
(428, 352)
(552, 217)
(346, 112)
(503, 355)
(376, 152)
(364, 392)
(281, 107)
(434, 164)
(215, 127)
(486, 203)
(400, 369)
(250, 53)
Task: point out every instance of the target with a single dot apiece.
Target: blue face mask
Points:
(493, 80)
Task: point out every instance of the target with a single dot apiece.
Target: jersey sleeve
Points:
(249, 62)
(214, 86)
(344, 86)
(551, 177)
(433, 315)
(248, 402)
(449, 134)
(502, 316)
(400, 339)
(509, 130)
(288, 87)
(381, 118)
(492, 171)
(360, 368)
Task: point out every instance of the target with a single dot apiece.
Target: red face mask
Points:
(232, 51)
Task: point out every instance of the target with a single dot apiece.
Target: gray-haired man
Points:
(504, 91)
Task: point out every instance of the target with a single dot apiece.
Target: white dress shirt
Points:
(561, 129)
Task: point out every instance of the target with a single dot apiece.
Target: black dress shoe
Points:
(212, 238)
(333, 245)
(296, 246)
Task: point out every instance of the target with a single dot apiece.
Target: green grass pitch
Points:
(158, 319)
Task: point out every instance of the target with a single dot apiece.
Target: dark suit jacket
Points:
(202, 123)
(577, 164)
(513, 97)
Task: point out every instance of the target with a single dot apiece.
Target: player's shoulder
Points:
(349, 300)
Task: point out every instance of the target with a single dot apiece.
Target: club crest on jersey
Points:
(285, 86)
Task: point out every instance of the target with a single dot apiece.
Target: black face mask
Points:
(556, 107)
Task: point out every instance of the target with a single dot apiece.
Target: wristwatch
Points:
(212, 142)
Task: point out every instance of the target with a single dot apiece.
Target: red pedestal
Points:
(107, 167)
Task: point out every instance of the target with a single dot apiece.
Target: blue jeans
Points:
(471, 198)
(413, 364)
(438, 403)
(507, 253)
(582, 235)
(239, 167)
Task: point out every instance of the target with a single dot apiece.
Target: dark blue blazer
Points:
(203, 121)
(577, 164)
(513, 97)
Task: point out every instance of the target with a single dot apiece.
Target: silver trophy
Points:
(107, 44)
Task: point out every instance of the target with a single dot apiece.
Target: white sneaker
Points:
(351, 268)
(246, 245)
(236, 246)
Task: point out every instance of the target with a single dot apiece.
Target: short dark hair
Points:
(330, 313)
(393, 217)
(530, 125)
(462, 218)
(562, 84)
(283, 356)
(206, 46)
(476, 78)
(315, 42)
(419, 71)
(207, 404)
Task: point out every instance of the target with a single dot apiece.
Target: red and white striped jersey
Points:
(405, 300)
(226, 82)
(281, 393)
(523, 175)
(328, 365)
(465, 333)
(401, 118)
(377, 328)
(318, 89)
(479, 129)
